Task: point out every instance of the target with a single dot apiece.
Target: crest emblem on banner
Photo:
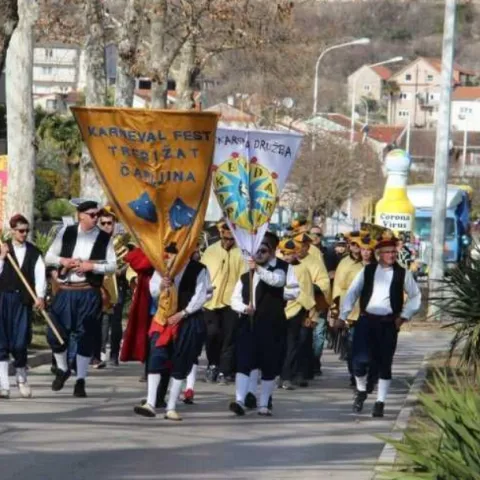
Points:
(247, 191)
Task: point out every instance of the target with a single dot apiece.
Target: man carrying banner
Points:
(225, 264)
(83, 254)
(16, 303)
(176, 347)
(260, 333)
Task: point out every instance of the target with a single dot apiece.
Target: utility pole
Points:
(442, 154)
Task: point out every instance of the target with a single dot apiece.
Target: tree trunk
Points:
(20, 115)
(185, 84)
(9, 20)
(157, 40)
(95, 91)
(127, 53)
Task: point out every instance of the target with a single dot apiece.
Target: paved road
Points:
(312, 435)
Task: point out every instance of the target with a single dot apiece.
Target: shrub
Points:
(447, 445)
(58, 208)
(44, 240)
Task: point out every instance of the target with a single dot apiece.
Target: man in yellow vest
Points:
(299, 312)
(225, 265)
(313, 259)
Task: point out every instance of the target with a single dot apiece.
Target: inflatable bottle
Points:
(394, 210)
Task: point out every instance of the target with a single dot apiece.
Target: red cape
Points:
(135, 338)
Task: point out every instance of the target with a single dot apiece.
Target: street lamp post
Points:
(359, 41)
(354, 93)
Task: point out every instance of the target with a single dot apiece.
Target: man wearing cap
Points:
(383, 309)
(225, 264)
(83, 254)
(260, 332)
(298, 312)
(322, 291)
(16, 303)
(367, 256)
(175, 346)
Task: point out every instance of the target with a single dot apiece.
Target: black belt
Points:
(382, 318)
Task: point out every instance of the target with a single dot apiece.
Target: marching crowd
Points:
(263, 321)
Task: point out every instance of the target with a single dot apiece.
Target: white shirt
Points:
(275, 278)
(379, 303)
(202, 289)
(82, 251)
(40, 279)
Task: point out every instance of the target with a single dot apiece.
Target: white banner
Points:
(251, 168)
(398, 222)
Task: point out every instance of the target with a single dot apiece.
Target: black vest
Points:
(99, 251)
(188, 283)
(269, 301)
(10, 281)
(396, 287)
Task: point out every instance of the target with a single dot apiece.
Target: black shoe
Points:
(79, 389)
(114, 361)
(378, 409)
(60, 378)
(251, 401)
(54, 369)
(237, 409)
(270, 403)
(360, 398)
(302, 383)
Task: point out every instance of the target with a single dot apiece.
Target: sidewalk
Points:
(312, 435)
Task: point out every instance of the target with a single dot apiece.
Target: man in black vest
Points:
(260, 337)
(83, 254)
(16, 303)
(175, 347)
(381, 290)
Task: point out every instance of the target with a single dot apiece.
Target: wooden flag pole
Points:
(34, 297)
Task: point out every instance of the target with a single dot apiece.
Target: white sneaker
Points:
(4, 393)
(25, 390)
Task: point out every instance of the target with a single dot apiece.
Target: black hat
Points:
(87, 205)
(272, 239)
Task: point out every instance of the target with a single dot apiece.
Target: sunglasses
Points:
(103, 224)
(91, 215)
(22, 230)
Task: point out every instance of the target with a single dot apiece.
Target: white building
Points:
(466, 109)
(56, 68)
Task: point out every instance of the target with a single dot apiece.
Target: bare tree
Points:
(96, 88)
(322, 180)
(20, 114)
(129, 37)
(8, 22)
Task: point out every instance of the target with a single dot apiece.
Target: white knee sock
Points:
(153, 381)
(82, 366)
(61, 359)
(253, 384)
(383, 387)
(192, 376)
(21, 375)
(241, 387)
(266, 390)
(175, 389)
(361, 383)
(4, 381)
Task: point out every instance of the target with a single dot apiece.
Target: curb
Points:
(35, 359)
(388, 456)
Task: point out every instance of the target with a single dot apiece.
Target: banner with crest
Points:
(250, 170)
(155, 167)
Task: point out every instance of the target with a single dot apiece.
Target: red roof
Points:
(382, 71)
(342, 120)
(436, 63)
(385, 133)
(466, 93)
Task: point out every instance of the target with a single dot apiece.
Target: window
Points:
(423, 228)
(145, 84)
(404, 96)
(47, 70)
(403, 113)
(48, 53)
(429, 78)
(51, 105)
(408, 77)
(466, 110)
(367, 87)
